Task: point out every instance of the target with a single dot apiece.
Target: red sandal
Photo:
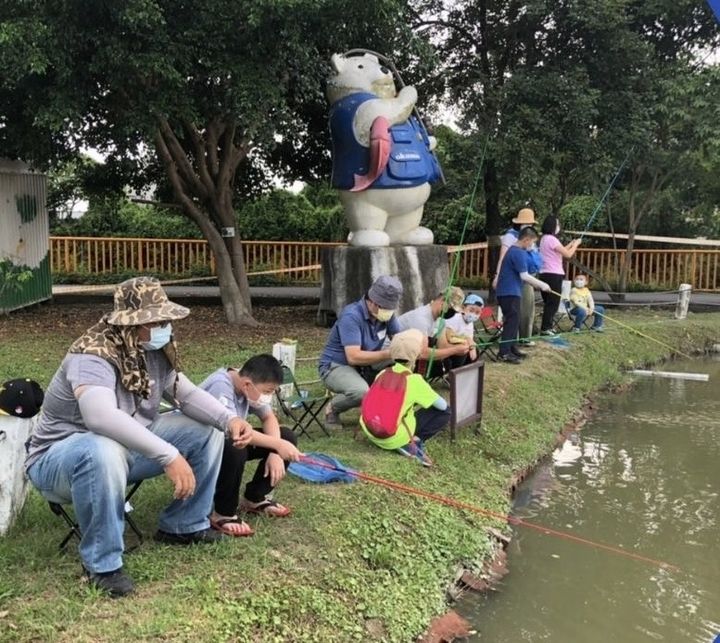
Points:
(266, 508)
(223, 525)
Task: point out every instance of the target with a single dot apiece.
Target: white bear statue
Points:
(383, 161)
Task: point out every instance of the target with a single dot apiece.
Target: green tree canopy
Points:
(205, 97)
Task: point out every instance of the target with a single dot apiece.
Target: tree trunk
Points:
(202, 181)
(493, 222)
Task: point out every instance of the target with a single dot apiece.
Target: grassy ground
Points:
(353, 562)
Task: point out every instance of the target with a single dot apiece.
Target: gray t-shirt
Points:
(420, 318)
(61, 415)
(220, 386)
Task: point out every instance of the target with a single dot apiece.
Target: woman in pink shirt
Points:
(552, 272)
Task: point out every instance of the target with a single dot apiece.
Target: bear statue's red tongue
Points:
(379, 154)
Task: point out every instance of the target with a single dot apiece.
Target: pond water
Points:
(643, 475)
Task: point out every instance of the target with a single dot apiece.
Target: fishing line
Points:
(604, 196)
(458, 251)
(457, 504)
(634, 330)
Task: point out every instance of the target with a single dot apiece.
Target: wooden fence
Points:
(657, 268)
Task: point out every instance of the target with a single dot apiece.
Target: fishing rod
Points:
(634, 330)
(457, 504)
(604, 196)
(456, 262)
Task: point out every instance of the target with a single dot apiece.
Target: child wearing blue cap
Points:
(461, 327)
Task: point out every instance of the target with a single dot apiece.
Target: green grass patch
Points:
(353, 562)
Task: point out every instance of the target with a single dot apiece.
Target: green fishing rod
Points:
(634, 330)
(456, 262)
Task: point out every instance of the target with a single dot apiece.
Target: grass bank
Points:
(353, 562)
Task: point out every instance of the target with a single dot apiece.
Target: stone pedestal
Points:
(348, 272)
(14, 432)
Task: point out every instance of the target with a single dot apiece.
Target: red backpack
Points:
(382, 405)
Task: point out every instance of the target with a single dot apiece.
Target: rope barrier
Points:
(457, 504)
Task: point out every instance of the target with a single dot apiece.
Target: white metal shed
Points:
(24, 236)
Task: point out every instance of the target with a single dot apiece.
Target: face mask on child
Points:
(159, 336)
(579, 283)
(470, 318)
(264, 399)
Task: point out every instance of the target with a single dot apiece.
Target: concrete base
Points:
(348, 272)
(13, 483)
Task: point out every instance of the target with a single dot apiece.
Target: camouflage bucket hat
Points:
(454, 297)
(142, 300)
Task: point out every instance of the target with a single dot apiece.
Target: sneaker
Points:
(548, 333)
(526, 342)
(193, 538)
(599, 329)
(518, 353)
(405, 451)
(509, 358)
(422, 457)
(332, 419)
(115, 584)
(577, 330)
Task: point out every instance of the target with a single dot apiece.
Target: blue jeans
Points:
(580, 314)
(92, 471)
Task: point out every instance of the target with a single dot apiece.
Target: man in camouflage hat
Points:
(100, 430)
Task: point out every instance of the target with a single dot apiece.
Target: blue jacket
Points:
(411, 162)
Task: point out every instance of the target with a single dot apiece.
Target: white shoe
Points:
(548, 333)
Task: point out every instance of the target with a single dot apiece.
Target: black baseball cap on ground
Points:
(21, 397)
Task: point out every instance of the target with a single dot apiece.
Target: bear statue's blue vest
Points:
(411, 162)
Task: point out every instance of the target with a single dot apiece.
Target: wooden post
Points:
(285, 352)
(681, 309)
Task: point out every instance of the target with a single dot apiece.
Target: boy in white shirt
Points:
(461, 327)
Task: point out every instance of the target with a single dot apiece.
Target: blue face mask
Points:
(470, 318)
(159, 337)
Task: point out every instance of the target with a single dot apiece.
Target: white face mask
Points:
(159, 337)
(384, 315)
(579, 283)
(264, 399)
(470, 318)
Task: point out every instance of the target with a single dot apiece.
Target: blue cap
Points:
(473, 300)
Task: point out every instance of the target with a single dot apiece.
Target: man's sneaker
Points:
(509, 358)
(576, 330)
(115, 584)
(193, 538)
(526, 342)
(548, 333)
(518, 353)
(332, 419)
(599, 329)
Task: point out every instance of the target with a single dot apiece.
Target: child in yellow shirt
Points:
(583, 305)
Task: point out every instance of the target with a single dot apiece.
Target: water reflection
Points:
(642, 475)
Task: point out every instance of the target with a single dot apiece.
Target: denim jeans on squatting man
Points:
(92, 471)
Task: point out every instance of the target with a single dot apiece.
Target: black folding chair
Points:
(59, 510)
(302, 408)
